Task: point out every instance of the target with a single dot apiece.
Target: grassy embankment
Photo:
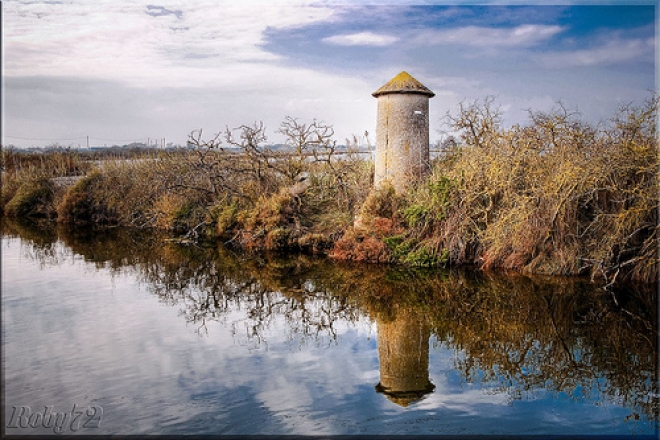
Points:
(555, 196)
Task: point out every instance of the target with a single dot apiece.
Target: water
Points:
(146, 336)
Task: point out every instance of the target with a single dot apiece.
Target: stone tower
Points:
(402, 132)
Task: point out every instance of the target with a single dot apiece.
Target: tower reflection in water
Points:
(403, 352)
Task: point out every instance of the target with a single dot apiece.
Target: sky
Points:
(120, 71)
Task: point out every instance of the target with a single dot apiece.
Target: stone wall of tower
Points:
(402, 139)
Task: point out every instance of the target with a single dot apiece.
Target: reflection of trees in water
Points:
(42, 240)
(211, 284)
(517, 334)
(523, 335)
(526, 336)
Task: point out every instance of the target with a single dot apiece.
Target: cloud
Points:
(140, 45)
(206, 66)
(161, 68)
(520, 36)
(611, 52)
(159, 11)
(361, 39)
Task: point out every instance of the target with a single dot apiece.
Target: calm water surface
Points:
(148, 336)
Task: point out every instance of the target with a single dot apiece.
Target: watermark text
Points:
(80, 417)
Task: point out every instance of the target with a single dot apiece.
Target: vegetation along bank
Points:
(555, 196)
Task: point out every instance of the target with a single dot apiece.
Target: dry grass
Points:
(27, 170)
(555, 196)
(33, 198)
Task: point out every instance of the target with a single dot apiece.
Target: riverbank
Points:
(557, 196)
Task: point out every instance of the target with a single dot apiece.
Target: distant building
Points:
(402, 132)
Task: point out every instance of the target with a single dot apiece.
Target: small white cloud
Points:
(611, 52)
(361, 39)
(519, 36)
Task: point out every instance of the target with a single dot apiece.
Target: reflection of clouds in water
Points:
(290, 382)
(104, 337)
(287, 399)
(452, 401)
(281, 394)
(91, 343)
(446, 396)
(298, 389)
(98, 346)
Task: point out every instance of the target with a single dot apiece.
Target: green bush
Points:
(416, 215)
(421, 257)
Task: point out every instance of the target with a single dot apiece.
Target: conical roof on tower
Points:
(403, 83)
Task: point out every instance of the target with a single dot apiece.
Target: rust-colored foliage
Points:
(357, 247)
(383, 227)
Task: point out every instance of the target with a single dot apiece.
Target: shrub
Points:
(82, 202)
(8, 189)
(272, 211)
(33, 198)
(556, 196)
(315, 242)
(357, 247)
(416, 215)
(225, 218)
(277, 238)
(399, 246)
(178, 212)
(421, 257)
(382, 201)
